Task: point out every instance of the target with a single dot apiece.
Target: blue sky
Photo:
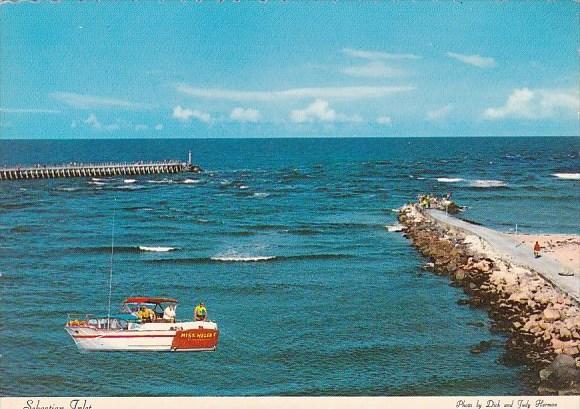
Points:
(283, 69)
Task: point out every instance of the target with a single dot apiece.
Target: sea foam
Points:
(567, 176)
(449, 180)
(487, 183)
(157, 249)
(242, 258)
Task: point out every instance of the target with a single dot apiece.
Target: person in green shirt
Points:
(200, 312)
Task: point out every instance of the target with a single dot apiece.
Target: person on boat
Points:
(146, 314)
(200, 312)
(169, 313)
(537, 249)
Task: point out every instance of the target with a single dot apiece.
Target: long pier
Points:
(97, 170)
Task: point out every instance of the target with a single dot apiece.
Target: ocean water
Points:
(285, 241)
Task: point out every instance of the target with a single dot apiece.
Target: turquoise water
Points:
(335, 306)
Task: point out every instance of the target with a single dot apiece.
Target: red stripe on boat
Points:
(123, 336)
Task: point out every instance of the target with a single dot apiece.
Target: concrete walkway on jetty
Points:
(511, 251)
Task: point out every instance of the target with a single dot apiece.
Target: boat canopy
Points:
(150, 300)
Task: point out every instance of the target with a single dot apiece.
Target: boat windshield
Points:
(111, 323)
(134, 307)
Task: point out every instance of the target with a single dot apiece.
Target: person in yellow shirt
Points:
(200, 312)
(146, 314)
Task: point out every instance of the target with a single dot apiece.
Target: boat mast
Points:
(111, 270)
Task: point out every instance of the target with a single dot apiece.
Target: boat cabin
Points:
(163, 308)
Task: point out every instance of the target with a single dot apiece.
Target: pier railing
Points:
(95, 170)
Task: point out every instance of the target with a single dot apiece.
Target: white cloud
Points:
(374, 69)
(159, 127)
(320, 111)
(245, 115)
(439, 113)
(94, 123)
(185, 114)
(29, 111)
(384, 120)
(317, 111)
(378, 55)
(536, 104)
(346, 93)
(475, 60)
(81, 101)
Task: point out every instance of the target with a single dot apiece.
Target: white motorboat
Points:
(127, 332)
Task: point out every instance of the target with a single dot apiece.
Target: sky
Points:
(209, 69)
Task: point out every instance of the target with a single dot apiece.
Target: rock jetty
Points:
(541, 321)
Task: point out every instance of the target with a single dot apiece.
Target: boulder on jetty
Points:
(561, 377)
(542, 322)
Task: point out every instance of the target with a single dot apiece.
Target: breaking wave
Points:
(68, 189)
(449, 180)
(487, 183)
(157, 249)
(234, 258)
(129, 181)
(190, 181)
(162, 181)
(567, 176)
(120, 249)
(226, 258)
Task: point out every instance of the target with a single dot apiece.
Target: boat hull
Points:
(149, 337)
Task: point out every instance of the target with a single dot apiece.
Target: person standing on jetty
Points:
(537, 249)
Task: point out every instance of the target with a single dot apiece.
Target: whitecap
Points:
(567, 176)
(157, 249)
(189, 181)
(244, 187)
(234, 258)
(97, 183)
(129, 187)
(67, 189)
(449, 180)
(394, 228)
(129, 181)
(161, 181)
(261, 194)
(487, 183)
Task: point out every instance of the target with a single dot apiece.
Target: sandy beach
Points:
(565, 248)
